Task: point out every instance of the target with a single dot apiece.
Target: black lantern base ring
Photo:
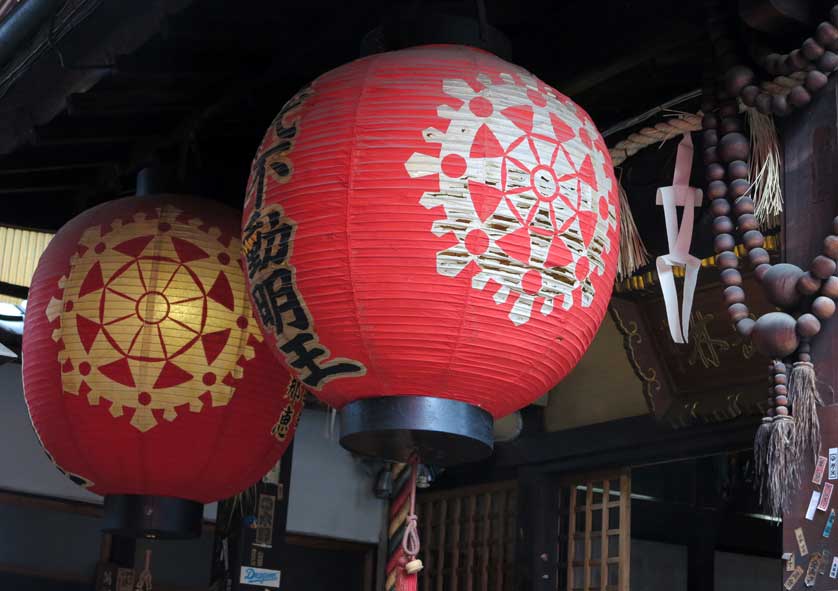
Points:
(441, 432)
(146, 516)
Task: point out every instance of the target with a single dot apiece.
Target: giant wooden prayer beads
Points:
(780, 285)
(774, 335)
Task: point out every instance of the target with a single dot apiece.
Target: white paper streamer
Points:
(679, 239)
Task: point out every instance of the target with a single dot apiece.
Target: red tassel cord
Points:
(410, 565)
(144, 580)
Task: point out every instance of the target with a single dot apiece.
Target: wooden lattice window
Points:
(594, 532)
(468, 538)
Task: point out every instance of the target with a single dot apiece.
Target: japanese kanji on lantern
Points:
(430, 239)
(145, 374)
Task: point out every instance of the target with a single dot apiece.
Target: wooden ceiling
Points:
(192, 84)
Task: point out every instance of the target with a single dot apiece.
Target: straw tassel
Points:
(805, 399)
(765, 169)
(763, 435)
(783, 474)
(633, 253)
(775, 453)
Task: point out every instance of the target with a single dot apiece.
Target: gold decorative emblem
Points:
(154, 317)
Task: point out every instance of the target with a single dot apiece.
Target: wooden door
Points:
(468, 538)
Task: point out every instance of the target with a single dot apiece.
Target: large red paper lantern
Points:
(146, 376)
(431, 239)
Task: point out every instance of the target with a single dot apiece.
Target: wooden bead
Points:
(715, 172)
(710, 137)
(730, 125)
(753, 239)
(711, 155)
(804, 357)
(828, 62)
(737, 312)
(781, 411)
(808, 284)
(780, 390)
(780, 284)
(797, 61)
(745, 326)
(830, 288)
(749, 95)
(804, 347)
(737, 78)
(723, 242)
(734, 146)
(822, 266)
(722, 225)
(716, 189)
(781, 400)
(830, 246)
(720, 207)
(808, 325)
(743, 205)
(785, 66)
(799, 96)
(774, 335)
(758, 256)
(771, 62)
(779, 105)
(763, 103)
(760, 271)
(823, 307)
(733, 295)
(811, 49)
(826, 34)
(731, 277)
(728, 109)
(727, 260)
(747, 222)
(709, 121)
(780, 378)
(737, 188)
(815, 80)
(738, 169)
(778, 367)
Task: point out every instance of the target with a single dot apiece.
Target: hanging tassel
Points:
(144, 580)
(765, 169)
(633, 253)
(783, 475)
(408, 578)
(804, 398)
(761, 439)
(780, 475)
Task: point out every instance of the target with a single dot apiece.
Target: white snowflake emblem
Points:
(525, 183)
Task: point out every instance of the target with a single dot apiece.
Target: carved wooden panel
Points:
(715, 376)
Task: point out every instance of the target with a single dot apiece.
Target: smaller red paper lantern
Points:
(431, 238)
(146, 376)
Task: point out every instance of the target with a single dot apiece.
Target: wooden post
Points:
(810, 146)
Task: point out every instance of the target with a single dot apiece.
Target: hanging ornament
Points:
(146, 376)
(679, 237)
(431, 238)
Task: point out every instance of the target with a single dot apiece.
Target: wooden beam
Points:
(632, 441)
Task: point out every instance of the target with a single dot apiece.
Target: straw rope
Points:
(660, 132)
